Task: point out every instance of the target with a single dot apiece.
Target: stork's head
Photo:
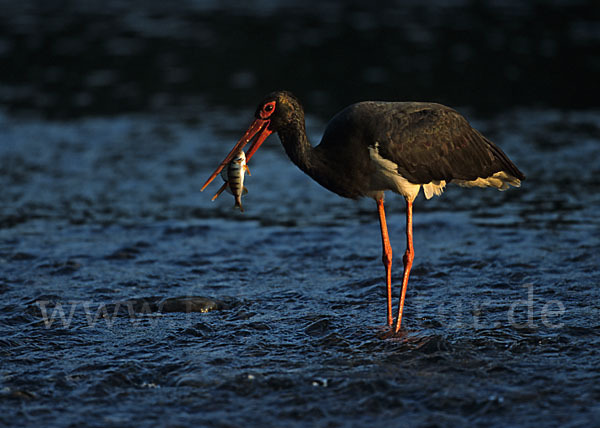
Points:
(273, 113)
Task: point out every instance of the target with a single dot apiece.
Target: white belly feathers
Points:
(387, 177)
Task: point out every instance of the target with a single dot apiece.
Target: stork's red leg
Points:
(409, 256)
(387, 259)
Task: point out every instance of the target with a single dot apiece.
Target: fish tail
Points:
(238, 203)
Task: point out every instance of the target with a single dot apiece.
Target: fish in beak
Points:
(233, 176)
(258, 130)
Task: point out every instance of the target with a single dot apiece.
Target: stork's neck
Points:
(295, 142)
(314, 161)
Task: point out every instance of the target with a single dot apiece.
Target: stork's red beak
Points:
(260, 129)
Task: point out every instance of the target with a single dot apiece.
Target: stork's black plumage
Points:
(427, 141)
(371, 147)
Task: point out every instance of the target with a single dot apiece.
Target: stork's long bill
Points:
(259, 129)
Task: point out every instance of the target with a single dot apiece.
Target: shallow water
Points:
(501, 323)
(130, 299)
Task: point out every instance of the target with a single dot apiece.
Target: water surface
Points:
(501, 323)
(113, 115)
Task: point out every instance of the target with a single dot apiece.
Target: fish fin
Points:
(245, 190)
(247, 169)
(223, 187)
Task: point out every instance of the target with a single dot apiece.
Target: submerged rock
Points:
(191, 304)
(159, 304)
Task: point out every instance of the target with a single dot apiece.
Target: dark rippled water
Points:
(501, 324)
(129, 299)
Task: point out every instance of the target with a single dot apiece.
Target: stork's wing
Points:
(430, 142)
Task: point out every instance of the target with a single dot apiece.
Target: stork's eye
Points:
(267, 110)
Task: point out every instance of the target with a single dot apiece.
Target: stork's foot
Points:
(387, 332)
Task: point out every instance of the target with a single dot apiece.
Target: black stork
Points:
(373, 146)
